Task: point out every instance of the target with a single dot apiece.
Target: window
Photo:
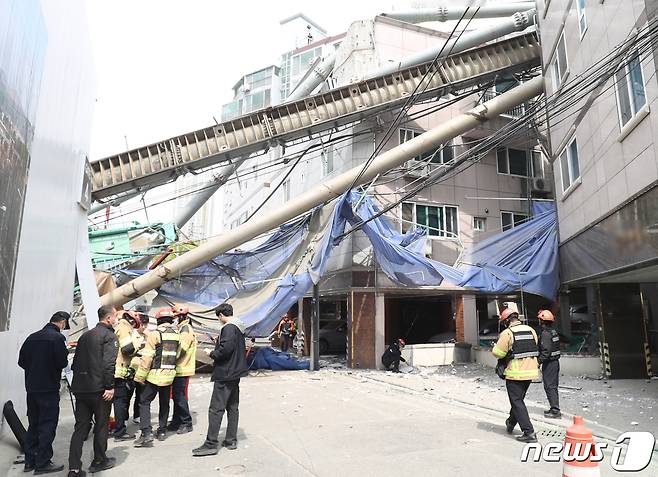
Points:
(442, 155)
(560, 65)
(514, 162)
(537, 163)
(439, 221)
(569, 165)
(479, 224)
(582, 20)
(512, 219)
(631, 95)
(286, 190)
(327, 160)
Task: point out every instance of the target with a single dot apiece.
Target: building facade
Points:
(488, 197)
(603, 148)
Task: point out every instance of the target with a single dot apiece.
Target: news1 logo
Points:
(639, 450)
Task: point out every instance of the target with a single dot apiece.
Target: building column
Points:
(459, 318)
(305, 311)
(471, 333)
(361, 330)
(380, 327)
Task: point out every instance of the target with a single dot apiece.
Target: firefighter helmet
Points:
(178, 310)
(131, 316)
(402, 342)
(507, 313)
(164, 314)
(546, 315)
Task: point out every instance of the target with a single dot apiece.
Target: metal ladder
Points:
(156, 164)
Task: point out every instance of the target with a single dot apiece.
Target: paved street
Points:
(336, 422)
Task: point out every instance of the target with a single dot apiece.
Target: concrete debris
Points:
(635, 423)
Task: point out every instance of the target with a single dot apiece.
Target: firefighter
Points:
(129, 344)
(157, 370)
(286, 331)
(181, 421)
(549, 359)
(518, 344)
(393, 355)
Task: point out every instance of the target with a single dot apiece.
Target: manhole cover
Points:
(234, 469)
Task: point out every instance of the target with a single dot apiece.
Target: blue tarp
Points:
(524, 257)
(267, 358)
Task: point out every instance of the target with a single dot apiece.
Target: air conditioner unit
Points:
(541, 184)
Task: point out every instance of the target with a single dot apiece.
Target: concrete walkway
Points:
(334, 422)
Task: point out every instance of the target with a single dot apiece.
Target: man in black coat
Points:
(43, 356)
(393, 355)
(93, 386)
(229, 365)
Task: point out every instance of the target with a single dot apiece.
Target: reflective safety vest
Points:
(555, 345)
(186, 362)
(525, 344)
(158, 362)
(518, 343)
(128, 347)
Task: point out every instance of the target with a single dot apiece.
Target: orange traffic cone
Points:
(578, 451)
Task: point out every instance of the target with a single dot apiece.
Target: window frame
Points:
(628, 88)
(453, 236)
(327, 154)
(580, 13)
(532, 174)
(424, 157)
(285, 187)
(555, 61)
(483, 221)
(573, 181)
(514, 224)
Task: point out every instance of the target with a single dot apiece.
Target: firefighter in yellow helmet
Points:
(181, 421)
(157, 370)
(123, 374)
(517, 344)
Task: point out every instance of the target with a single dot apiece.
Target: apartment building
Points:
(605, 158)
(487, 198)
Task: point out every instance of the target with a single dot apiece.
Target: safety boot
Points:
(553, 414)
(184, 429)
(527, 438)
(144, 440)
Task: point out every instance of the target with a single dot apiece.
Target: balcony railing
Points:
(514, 113)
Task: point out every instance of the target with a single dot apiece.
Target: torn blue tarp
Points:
(523, 258)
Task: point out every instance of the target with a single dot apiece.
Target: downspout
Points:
(325, 192)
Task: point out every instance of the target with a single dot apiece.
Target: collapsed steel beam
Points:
(325, 192)
(445, 13)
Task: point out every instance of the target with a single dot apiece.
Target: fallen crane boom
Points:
(325, 192)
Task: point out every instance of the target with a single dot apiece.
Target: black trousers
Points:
(225, 397)
(550, 371)
(286, 341)
(516, 391)
(393, 364)
(122, 393)
(88, 405)
(138, 393)
(182, 416)
(42, 417)
(148, 393)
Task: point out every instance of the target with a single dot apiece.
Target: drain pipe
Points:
(517, 22)
(325, 192)
(445, 13)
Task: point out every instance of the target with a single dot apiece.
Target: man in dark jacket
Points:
(549, 359)
(43, 356)
(393, 355)
(229, 365)
(93, 386)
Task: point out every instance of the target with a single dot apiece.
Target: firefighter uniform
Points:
(181, 420)
(157, 370)
(123, 374)
(519, 344)
(549, 358)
